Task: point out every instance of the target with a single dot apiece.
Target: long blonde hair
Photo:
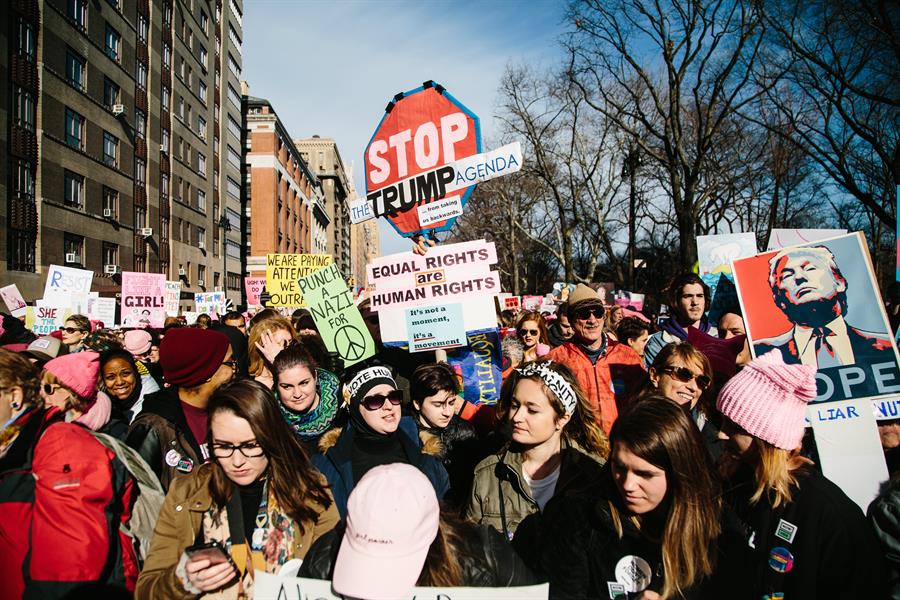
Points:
(257, 364)
(775, 472)
(660, 432)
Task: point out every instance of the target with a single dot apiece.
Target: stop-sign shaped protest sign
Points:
(422, 130)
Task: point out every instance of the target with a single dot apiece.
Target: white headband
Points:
(553, 380)
(377, 372)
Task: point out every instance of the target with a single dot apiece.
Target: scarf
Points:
(671, 325)
(315, 422)
(594, 355)
(372, 449)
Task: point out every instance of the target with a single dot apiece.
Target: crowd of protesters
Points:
(625, 458)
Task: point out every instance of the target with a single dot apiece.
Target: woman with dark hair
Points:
(654, 530)
(376, 435)
(532, 330)
(122, 381)
(260, 498)
(556, 448)
(307, 395)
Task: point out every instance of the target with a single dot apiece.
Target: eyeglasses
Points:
(231, 363)
(248, 449)
(528, 332)
(50, 388)
(683, 374)
(376, 401)
(585, 313)
(70, 330)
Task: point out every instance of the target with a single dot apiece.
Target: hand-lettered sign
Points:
(143, 299)
(284, 270)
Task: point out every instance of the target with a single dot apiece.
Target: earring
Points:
(15, 405)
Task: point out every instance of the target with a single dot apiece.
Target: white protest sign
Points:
(433, 327)
(13, 299)
(478, 313)
(783, 238)
(438, 183)
(173, 296)
(103, 310)
(63, 282)
(48, 317)
(272, 587)
(210, 302)
(435, 212)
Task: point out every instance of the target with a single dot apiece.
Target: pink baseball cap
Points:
(392, 518)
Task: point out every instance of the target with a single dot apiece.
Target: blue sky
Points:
(329, 68)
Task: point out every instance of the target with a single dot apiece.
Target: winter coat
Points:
(578, 475)
(460, 452)
(161, 436)
(884, 515)
(660, 340)
(62, 498)
(580, 551)
(617, 375)
(180, 523)
(487, 560)
(335, 461)
(822, 534)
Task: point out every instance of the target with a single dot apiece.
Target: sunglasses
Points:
(585, 313)
(50, 388)
(683, 374)
(528, 332)
(376, 401)
(231, 363)
(69, 330)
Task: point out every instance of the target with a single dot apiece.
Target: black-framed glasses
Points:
(70, 330)
(376, 401)
(585, 313)
(528, 332)
(248, 449)
(231, 363)
(683, 374)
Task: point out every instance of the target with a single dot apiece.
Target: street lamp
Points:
(225, 226)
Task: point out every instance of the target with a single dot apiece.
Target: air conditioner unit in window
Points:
(111, 269)
(72, 257)
(182, 272)
(107, 213)
(118, 109)
(146, 231)
(201, 245)
(217, 289)
(202, 134)
(200, 282)
(163, 148)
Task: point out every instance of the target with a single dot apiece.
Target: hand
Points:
(209, 578)
(421, 244)
(268, 347)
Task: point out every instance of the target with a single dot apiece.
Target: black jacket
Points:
(486, 559)
(461, 450)
(834, 550)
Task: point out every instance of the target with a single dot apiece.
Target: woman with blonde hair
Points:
(556, 448)
(654, 530)
(797, 535)
(267, 338)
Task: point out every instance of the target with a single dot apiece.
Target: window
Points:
(202, 91)
(233, 127)
(21, 250)
(204, 21)
(217, 277)
(74, 189)
(177, 231)
(74, 129)
(181, 107)
(233, 97)
(181, 68)
(113, 3)
(190, 78)
(110, 93)
(77, 11)
(110, 254)
(232, 249)
(234, 190)
(164, 229)
(167, 55)
(164, 98)
(201, 199)
(190, 39)
(233, 66)
(167, 14)
(201, 236)
(23, 111)
(186, 235)
(73, 244)
(164, 185)
(140, 77)
(188, 118)
(110, 149)
(140, 172)
(75, 65)
(187, 193)
(164, 140)
(201, 164)
(201, 126)
(24, 180)
(26, 40)
(235, 38)
(234, 159)
(111, 204)
(142, 28)
(179, 148)
(201, 275)
(234, 281)
(234, 219)
(203, 56)
(140, 123)
(113, 42)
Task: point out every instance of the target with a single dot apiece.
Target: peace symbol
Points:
(350, 343)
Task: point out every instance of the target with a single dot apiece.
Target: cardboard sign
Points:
(272, 587)
(512, 303)
(45, 318)
(480, 364)
(173, 298)
(103, 310)
(715, 253)
(210, 303)
(629, 300)
(532, 302)
(65, 282)
(13, 299)
(478, 313)
(337, 318)
(284, 270)
(783, 238)
(422, 130)
(433, 327)
(254, 287)
(143, 299)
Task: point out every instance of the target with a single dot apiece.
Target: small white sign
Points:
(435, 212)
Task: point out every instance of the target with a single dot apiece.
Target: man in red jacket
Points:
(609, 372)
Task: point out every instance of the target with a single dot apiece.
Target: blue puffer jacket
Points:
(334, 459)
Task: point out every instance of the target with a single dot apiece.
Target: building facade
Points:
(286, 205)
(120, 127)
(364, 245)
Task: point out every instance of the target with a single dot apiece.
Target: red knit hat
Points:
(768, 399)
(79, 372)
(189, 356)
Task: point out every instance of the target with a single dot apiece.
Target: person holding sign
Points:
(653, 533)
(797, 535)
(376, 435)
(257, 505)
(556, 448)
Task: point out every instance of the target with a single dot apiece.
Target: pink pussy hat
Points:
(392, 518)
(768, 399)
